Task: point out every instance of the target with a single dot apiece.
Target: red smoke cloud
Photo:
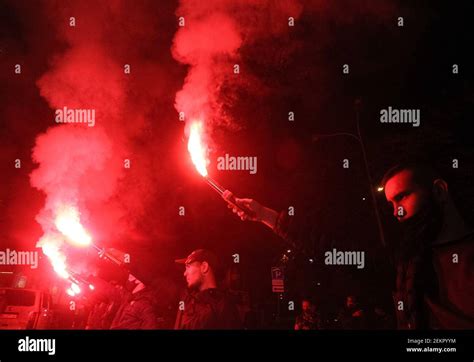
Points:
(209, 42)
(76, 166)
(86, 167)
(216, 31)
(207, 46)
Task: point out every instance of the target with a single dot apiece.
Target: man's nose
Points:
(395, 212)
(398, 211)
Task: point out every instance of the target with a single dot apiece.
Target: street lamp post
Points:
(358, 137)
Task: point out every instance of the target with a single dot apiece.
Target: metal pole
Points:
(371, 185)
(366, 166)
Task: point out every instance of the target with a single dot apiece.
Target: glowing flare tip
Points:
(197, 148)
(68, 223)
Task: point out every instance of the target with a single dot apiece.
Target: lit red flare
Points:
(199, 155)
(66, 227)
(197, 147)
(51, 245)
(68, 223)
(73, 290)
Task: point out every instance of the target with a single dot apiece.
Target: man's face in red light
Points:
(194, 275)
(350, 302)
(404, 195)
(306, 306)
(418, 209)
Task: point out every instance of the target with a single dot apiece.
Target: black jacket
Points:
(437, 291)
(136, 312)
(208, 309)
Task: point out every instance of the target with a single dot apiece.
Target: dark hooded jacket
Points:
(208, 309)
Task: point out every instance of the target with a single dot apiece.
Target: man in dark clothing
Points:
(309, 317)
(435, 261)
(352, 316)
(137, 310)
(205, 306)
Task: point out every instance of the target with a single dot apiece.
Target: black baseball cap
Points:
(200, 255)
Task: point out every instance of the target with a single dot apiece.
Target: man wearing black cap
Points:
(205, 306)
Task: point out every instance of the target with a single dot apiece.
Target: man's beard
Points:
(195, 287)
(421, 230)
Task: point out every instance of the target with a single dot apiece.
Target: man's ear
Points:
(440, 190)
(204, 267)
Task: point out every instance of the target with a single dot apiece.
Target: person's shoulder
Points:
(226, 297)
(226, 300)
(209, 296)
(464, 241)
(468, 238)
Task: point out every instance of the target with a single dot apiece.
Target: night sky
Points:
(282, 69)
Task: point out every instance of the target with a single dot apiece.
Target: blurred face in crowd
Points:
(351, 302)
(306, 306)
